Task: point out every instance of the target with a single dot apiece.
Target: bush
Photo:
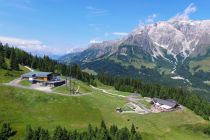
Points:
(207, 130)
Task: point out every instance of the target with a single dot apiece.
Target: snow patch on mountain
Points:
(177, 37)
(180, 78)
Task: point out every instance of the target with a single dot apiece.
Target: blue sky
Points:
(57, 26)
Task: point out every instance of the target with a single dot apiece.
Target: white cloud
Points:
(92, 11)
(185, 15)
(23, 43)
(75, 50)
(120, 33)
(32, 46)
(190, 9)
(36, 47)
(93, 41)
(151, 18)
(20, 4)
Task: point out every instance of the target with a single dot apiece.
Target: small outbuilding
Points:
(165, 104)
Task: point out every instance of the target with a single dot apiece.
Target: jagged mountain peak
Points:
(177, 36)
(104, 44)
(174, 38)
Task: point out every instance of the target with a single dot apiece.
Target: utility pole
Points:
(66, 82)
(70, 78)
(73, 87)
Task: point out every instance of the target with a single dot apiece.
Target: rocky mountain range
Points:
(173, 51)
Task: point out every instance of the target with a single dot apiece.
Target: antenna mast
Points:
(70, 89)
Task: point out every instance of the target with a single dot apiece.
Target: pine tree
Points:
(136, 137)
(113, 130)
(133, 130)
(13, 61)
(34, 64)
(6, 132)
(207, 130)
(60, 134)
(44, 135)
(103, 125)
(3, 64)
(90, 129)
(29, 133)
(123, 134)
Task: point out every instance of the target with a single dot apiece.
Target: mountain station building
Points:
(46, 78)
(42, 76)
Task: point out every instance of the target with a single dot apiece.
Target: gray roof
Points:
(36, 74)
(168, 102)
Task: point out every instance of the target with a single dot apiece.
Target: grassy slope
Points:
(136, 63)
(203, 65)
(25, 83)
(83, 88)
(111, 89)
(90, 71)
(166, 71)
(7, 75)
(22, 107)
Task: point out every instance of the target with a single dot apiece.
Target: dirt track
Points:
(104, 91)
(47, 90)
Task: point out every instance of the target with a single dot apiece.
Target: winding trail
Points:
(104, 91)
(30, 69)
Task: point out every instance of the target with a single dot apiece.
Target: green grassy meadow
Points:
(83, 88)
(21, 107)
(111, 89)
(9, 75)
(202, 64)
(137, 63)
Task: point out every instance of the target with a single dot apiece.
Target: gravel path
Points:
(29, 68)
(104, 91)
